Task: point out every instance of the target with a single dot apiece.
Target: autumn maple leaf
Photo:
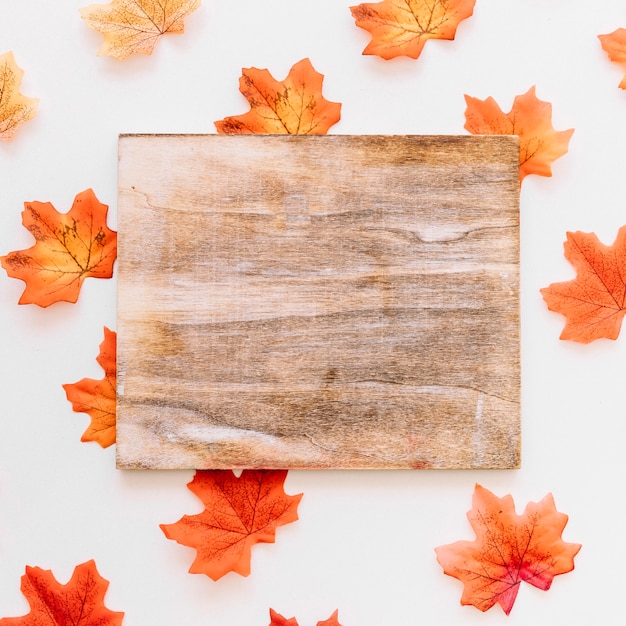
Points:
(135, 26)
(614, 44)
(293, 106)
(97, 397)
(239, 512)
(508, 550)
(15, 109)
(530, 119)
(80, 602)
(594, 302)
(70, 247)
(278, 620)
(402, 27)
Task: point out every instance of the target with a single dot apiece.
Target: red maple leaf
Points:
(80, 602)
(531, 120)
(333, 620)
(97, 397)
(278, 620)
(594, 302)
(239, 512)
(70, 247)
(508, 549)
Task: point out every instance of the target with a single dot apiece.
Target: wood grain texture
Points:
(318, 302)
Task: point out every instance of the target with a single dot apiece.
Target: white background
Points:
(364, 543)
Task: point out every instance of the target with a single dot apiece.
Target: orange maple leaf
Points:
(614, 44)
(135, 26)
(508, 549)
(594, 302)
(239, 512)
(70, 247)
(402, 27)
(97, 397)
(80, 602)
(15, 109)
(278, 620)
(294, 106)
(530, 119)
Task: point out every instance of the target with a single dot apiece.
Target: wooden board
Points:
(318, 302)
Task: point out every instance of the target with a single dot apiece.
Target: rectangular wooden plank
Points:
(318, 302)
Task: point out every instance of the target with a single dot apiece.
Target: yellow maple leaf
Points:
(134, 26)
(14, 107)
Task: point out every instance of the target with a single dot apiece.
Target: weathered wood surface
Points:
(318, 302)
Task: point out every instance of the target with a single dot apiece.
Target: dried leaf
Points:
(293, 106)
(595, 301)
(97, 397)
(134, 26)
(15, 109)
(614, 44)
(530, 119)
(402, 27)
(239, 512)
(70, 247)
(80, 602)
(508, 549)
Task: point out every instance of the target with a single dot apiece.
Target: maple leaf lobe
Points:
(508, 550)
(276, 619)
(15, 108)
(594, 302)
(293, 106)
(134, 26)
(79, 602)
(239, 512)
(402, 27)
(333, 620)
(614, 44)
(69, 247)
(97, 398)
(531, 120)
